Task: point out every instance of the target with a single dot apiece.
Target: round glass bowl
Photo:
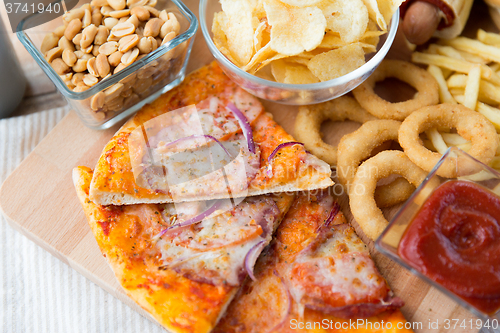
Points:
(294, 94)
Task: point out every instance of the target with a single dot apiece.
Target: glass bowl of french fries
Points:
(304, 59)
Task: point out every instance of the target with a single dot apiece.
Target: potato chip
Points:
(375, 14)
(301, 3)
(332, 64)
(262, 58)
(278, 69)
(298, 74)
(238, 28)
(220, 39)
(294, 30)
(261, 36)
(298, 60)
(347, 18)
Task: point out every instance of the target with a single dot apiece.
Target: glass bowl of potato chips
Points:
(298, 52)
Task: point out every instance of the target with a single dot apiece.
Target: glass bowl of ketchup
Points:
(448, 234)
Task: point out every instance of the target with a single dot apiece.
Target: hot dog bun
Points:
(461, 10)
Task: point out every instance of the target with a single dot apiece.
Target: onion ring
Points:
(309, 119)
(356, 147)
(418, 78)
(361, 198)
(469, 124)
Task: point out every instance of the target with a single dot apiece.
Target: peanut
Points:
(100, 116)
(60, 31)
(99, 3)
(134, 20)
(73, 28)
(95, 50)
(81, 88)
(141, 13)
(97, 101)
(125, 93)
(152, 11)
(128, 42)
(49, 42)
(129, 57)
(119, 67)
(147, 45)
(54, 53)
(115, 58)
(171, 25)
(88, 35)
(92, 68)
(96, 16)
(108, 48)
(120, 13)
(59, 66)
(142, 85)
(146, 72)
(88, 49)
(131, 100)
(113, 92)
(123, 29)
(80, 66)
(65, 44)
(79, 54)
(152, 28)
(117, 4)
(69, 58)
(76, 40)
(116, 104)
(134, 3)
(102, 35)
(168, 38)
(77, 78)
(90, 80)
(152, 3)
(102, 65)
(105, 10)
(110, 22)
(76, 13)
(87, 18)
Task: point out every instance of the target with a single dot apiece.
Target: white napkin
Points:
(38, 292)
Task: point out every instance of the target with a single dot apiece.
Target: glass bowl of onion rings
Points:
(456, 250)
(263, 85)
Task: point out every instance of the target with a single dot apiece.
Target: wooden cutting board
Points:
(39, 201)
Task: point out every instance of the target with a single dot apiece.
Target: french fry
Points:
(437, 140)
(449, 51)
(453, 139)
(457, 65)
(491, 113)
(472, 87)
(488, 37)
(444, 93)
(488, 92)
(476, 47)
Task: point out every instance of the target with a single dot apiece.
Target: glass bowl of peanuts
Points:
(108, 58)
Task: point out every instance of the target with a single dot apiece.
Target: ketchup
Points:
(455, 240)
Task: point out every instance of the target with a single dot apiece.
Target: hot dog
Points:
(423, 19)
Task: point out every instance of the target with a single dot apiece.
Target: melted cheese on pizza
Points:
(311, 269)
(115, 182)
(214, 250)
(127, 237)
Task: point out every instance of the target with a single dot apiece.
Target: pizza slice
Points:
(182, 263)
(316, 276)
(206, 139)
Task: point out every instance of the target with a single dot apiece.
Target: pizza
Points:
(206, 139)
(185, 277)
(316, 276)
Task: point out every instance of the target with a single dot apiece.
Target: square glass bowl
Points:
(132, 87)
(467, 168)
(294, 94)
